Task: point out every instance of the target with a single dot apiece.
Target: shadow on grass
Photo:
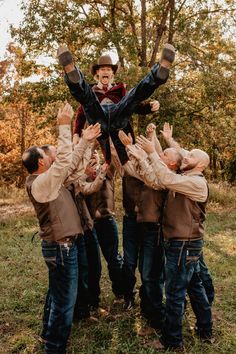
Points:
(24, 282)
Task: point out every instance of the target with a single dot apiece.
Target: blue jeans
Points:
(206, 280)
(107, 234)
(62, 263)
(151, 268)
(131, 246)
(81, 309)
(143, 246)
(94, 266)
(115, 116)
(182, 273)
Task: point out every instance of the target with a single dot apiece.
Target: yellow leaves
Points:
(19, 130)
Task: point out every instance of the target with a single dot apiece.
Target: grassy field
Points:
(23, 286)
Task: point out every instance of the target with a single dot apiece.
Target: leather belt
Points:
(67, 240)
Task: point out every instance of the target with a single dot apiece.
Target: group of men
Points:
(164, 199)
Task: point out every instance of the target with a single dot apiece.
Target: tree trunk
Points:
(159, 32)
(171, 22)
(22, 114)
(143, 34)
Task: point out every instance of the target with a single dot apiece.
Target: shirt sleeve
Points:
(91, 187)
(80, 154)
(173, 144)
(46, 186)
(148, 175)
(193, 186)
(130, 170)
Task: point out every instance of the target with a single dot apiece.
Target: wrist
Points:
(169, 139)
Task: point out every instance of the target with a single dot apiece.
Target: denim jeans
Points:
(114, 116)
(206, 280)
(81, 309)
(107, 234)
(62, 263)
(131, 247)
(143, 246)
(182, 273)
(94, 266)
(151, 268)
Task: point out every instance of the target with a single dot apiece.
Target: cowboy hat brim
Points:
(95, 67)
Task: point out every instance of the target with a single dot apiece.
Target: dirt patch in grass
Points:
(14, 210)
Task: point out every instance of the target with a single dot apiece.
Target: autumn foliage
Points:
(199, 98)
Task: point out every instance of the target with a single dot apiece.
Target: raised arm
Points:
(194, 187)
(92, 187)
(147, 107)
(138, 165)
(167, 134)
(151, 135)
(80, 151)
(47, 185)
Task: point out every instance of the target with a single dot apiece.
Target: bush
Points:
(231, 170)
(223, 194)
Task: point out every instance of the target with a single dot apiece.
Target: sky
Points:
(10, 13)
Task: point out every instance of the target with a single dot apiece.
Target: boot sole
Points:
(65, 58)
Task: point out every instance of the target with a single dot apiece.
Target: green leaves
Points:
(199, 98)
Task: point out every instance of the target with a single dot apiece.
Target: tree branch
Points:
(143, 34)
(171, 22)
(159, 32)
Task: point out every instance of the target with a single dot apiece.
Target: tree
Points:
(19, 124)
(200, 95)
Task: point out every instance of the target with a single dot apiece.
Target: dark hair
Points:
(46, 148)
(30, 159)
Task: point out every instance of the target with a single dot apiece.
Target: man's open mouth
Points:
(105, 77)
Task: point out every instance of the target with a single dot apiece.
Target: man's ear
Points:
(173, 166)
(40, 162)
(201, 165)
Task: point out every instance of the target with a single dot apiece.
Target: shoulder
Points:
(120, 85)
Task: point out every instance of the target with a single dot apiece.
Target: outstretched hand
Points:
(124, 138)
(133, 151)
(150, 131)
(155, 105)
(167, 131)
(104, 168)
(147, 145)
(92, 132)
(65, 115)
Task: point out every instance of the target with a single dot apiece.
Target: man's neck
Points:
(39, 171)
(101, 86)
(193, 171)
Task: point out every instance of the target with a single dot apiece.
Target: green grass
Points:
(23, 285)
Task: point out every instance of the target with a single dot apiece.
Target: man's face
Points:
(190, 161)
(52, 153)
(45, 160)
(105, 75)
(168, 156)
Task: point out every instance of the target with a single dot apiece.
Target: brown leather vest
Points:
(86, 219)
(150, 205)
(102, 204)
(131, 188)
(183, 218)
(57, 219)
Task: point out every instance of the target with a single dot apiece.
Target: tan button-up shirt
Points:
(46, 186)
(66, 169)
(90, 187)
(190, 183)
(142, 170)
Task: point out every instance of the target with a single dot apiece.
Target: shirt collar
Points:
(100, 86)
(192, 173)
